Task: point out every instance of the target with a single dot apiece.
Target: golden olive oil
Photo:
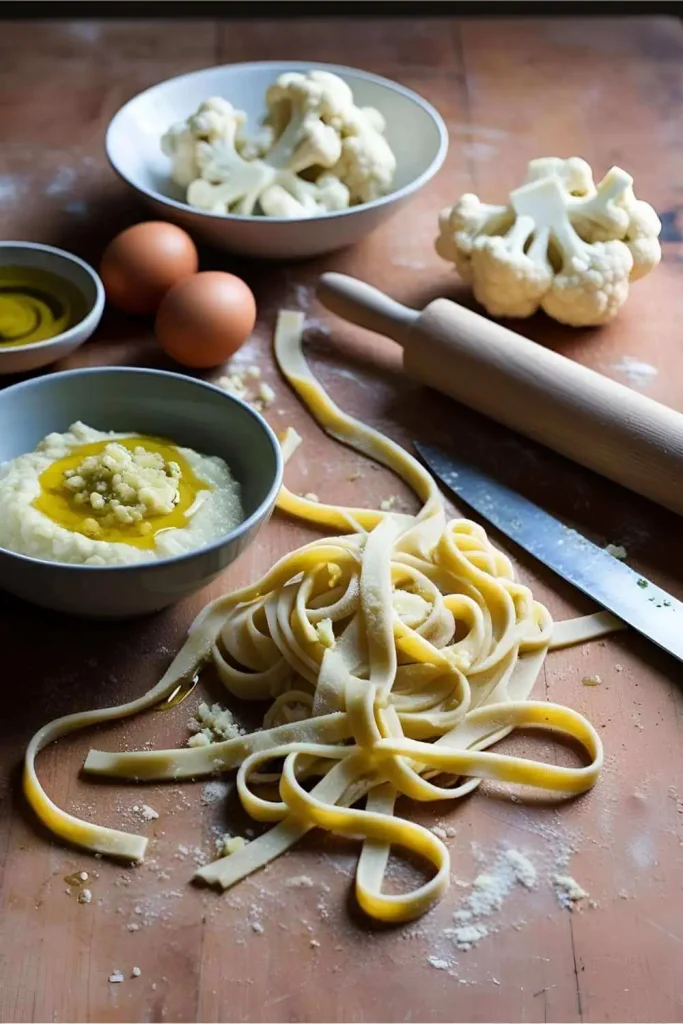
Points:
(57, 502)
(36, 305)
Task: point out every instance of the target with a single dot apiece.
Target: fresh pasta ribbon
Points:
(393, 656)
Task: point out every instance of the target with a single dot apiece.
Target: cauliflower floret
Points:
(592, 285)
(227, 181)
(300, 108)
(367, 163)
(507, 280)
(642, 235)
(460, 224)
(574, 173)
(592, 280)
(562, 244)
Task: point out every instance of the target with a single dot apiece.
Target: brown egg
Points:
(204, 319)
(141, 264)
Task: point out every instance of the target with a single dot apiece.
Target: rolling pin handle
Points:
(365, 306)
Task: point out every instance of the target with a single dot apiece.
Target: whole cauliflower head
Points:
(562, 244)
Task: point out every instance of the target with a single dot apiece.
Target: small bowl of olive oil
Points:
(50, 303)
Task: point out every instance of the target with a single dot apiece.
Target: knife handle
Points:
(578, 412)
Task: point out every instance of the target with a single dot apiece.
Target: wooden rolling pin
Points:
(591, 419)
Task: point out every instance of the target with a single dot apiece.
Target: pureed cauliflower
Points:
(91, 498)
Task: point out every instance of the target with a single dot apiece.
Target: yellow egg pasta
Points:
(393, 658)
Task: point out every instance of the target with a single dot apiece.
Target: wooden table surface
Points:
(610, 91)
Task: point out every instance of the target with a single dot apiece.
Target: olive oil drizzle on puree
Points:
(58, 501)
(91, 498)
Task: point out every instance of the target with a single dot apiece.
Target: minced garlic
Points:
(127, 486)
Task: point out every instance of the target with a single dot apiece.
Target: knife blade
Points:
(634, 599)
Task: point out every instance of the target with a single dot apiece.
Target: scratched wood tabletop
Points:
(608, 90)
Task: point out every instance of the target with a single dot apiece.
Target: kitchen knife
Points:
(635, 600)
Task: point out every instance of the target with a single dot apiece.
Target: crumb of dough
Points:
(257, 927)
(568, 891)
(266, 394)
(229, 844)
(314, 944)
(617, 551)
(136, 972)
(133, 927)
(215, 723)
(325, 633)
(115, 977)
(198, 739)
(85, 896)
(591, 680)
(310, 496)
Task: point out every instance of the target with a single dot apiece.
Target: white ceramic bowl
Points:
(415, 131)
(189, 412)
(20, 358)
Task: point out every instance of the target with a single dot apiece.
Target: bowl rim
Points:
(295, 65)
(91, 318)
(159, 563)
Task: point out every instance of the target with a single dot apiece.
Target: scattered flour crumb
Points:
(247, 385)
(439, 831)
(133, 927)
(299, 882)
(617, 551)
(618, 668)
(146, 812)
(387, 504)
(592, 680)
(411, 264)
(136, 972)
(636, 372)
(568, 891)
(215, 791)
(257, 927)
(524, 870)
(314, 944)
(439, 964)
(115, 977)
(467, 935)
(85, 896)
(487, 895)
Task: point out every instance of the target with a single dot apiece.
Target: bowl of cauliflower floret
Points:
(277, 159)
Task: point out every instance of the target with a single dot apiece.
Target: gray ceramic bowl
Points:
(191, 413)
(20, 358)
